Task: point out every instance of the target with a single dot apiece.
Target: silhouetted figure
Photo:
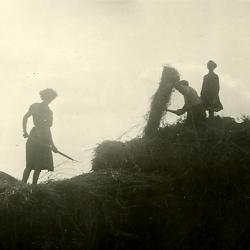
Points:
(210, 91)
(193, 107)
(40, 144)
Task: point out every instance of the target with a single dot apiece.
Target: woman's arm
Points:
(52, 144)
(217, 86)
(25, 119)
(203, 88)
(184, 109)
(178, 111)
(181, 111)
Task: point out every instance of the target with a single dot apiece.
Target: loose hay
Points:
(161, 99)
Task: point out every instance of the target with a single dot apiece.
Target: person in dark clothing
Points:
(210, 91)
(40, 144)
(195, 112)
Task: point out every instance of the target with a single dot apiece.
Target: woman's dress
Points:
(210, 92)
(38, 147)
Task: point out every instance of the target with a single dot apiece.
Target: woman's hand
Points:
(25, 135)
(54, 149)
(179, 112)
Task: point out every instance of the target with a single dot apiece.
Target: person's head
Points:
(48, 95)
(211, 65)
(180, 85)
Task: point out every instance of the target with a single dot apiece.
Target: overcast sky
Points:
(105, 58)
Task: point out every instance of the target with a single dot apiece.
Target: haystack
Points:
(6, 181)
(161, 99)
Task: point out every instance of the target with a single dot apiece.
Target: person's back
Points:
(192, 106)
(191, 97)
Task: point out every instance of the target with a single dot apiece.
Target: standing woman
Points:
(40, 144)
(210, 91)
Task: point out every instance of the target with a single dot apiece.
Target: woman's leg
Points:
(36, 176)
(26, 174)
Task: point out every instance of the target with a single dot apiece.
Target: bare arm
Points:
(181, 111)
(178, 111)
(25, 119)
(52, 144)
(203, 88)
(184, 109)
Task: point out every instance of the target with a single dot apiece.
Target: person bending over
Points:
(195, 112)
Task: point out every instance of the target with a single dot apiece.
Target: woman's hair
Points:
(48, 94)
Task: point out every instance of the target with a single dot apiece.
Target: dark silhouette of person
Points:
(210, 90)
(39, 145)
(192, 106)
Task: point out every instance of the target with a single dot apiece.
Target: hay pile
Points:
(206, 208)
(169, 191)
(6, 178)
(6, 181)
(206, 177)
(222, 143)
(161, 99)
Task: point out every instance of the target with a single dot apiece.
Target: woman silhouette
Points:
(210, 90)
(40, 144)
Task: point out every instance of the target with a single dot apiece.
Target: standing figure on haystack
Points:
(40, 144)
(210, 91)
(193, 107)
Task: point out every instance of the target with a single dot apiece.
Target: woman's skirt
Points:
(212, 103)
(38, 151)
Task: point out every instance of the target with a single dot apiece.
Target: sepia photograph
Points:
(125, 125)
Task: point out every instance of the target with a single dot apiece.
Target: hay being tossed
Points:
(161, 99)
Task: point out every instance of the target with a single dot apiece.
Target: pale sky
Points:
(105, 58)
